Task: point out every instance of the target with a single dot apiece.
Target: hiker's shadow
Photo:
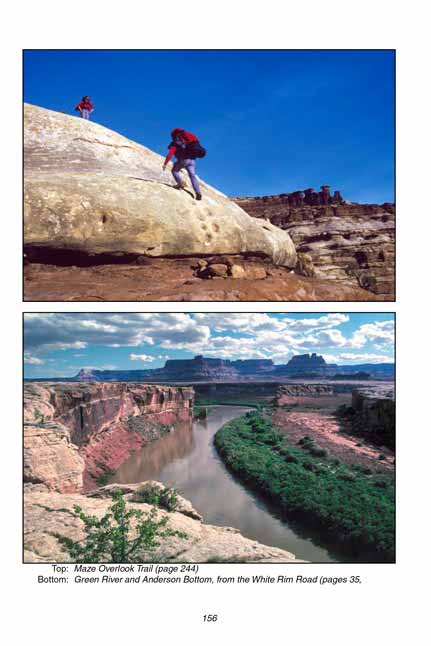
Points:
(143, 179)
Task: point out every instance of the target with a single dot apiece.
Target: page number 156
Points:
(210, 617)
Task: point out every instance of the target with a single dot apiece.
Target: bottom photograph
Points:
(209, 438)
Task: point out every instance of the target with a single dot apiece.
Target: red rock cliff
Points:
(349, 243)
(73, 433)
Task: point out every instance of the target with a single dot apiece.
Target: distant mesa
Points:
(207, 369)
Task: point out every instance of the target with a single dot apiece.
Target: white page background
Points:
(390, 603)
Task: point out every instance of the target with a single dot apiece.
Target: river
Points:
(187, 460)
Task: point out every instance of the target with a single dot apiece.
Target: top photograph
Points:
(209, 175)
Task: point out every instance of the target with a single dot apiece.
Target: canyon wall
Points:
(288, 394)
(107, 421)
(74, 433)
(349, 243)
(374, 414)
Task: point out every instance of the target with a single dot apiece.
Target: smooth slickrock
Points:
(48, 513)
(90, 189)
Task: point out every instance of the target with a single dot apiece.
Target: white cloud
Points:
(63, 331)
(380, 332)
(141, 357)
(31, 360)
(366, 357)
(242, 335)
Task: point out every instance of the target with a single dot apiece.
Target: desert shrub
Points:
(166, 497)
(287, 454)
(306, 441)
(318, 451)
(103, 478)
(351, 511)
(345, 411)
(380, 484)
(38, 416)
(112, 539)
(347, 476)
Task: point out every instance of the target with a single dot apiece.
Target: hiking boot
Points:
(179, 186)
(198, 196)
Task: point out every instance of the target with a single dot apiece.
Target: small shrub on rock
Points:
(166, 497)
(113, 539)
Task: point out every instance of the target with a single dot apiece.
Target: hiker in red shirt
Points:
(186, 148)
(85, 107)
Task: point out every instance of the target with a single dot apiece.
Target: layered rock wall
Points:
(290, 392)
(352, 244)
(374, 409)
(88, 428)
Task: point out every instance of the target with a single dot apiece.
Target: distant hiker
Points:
(85, 107)
(186, 148)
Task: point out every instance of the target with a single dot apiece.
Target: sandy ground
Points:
(323, 426)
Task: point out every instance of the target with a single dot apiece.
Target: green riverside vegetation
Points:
(351, 507)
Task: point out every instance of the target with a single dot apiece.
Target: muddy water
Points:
(187, 460)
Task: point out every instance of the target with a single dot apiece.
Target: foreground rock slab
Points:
(91, 190)
(49, 513)
(166, 279)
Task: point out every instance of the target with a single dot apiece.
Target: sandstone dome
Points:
(92, 190)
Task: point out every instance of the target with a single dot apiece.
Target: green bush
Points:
(39, 417)
(353, 513)
(103, 478)
(345, 411)
(111, 539)
(318, 451)
(166, 497)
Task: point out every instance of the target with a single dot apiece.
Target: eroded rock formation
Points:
(73, 433)
(202, 368)
(374, 409)
(349, 243)
(51, 458)
(91, 190)
(289, 393)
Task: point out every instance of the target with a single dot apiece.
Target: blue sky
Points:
(60, 344)
(272, 121)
